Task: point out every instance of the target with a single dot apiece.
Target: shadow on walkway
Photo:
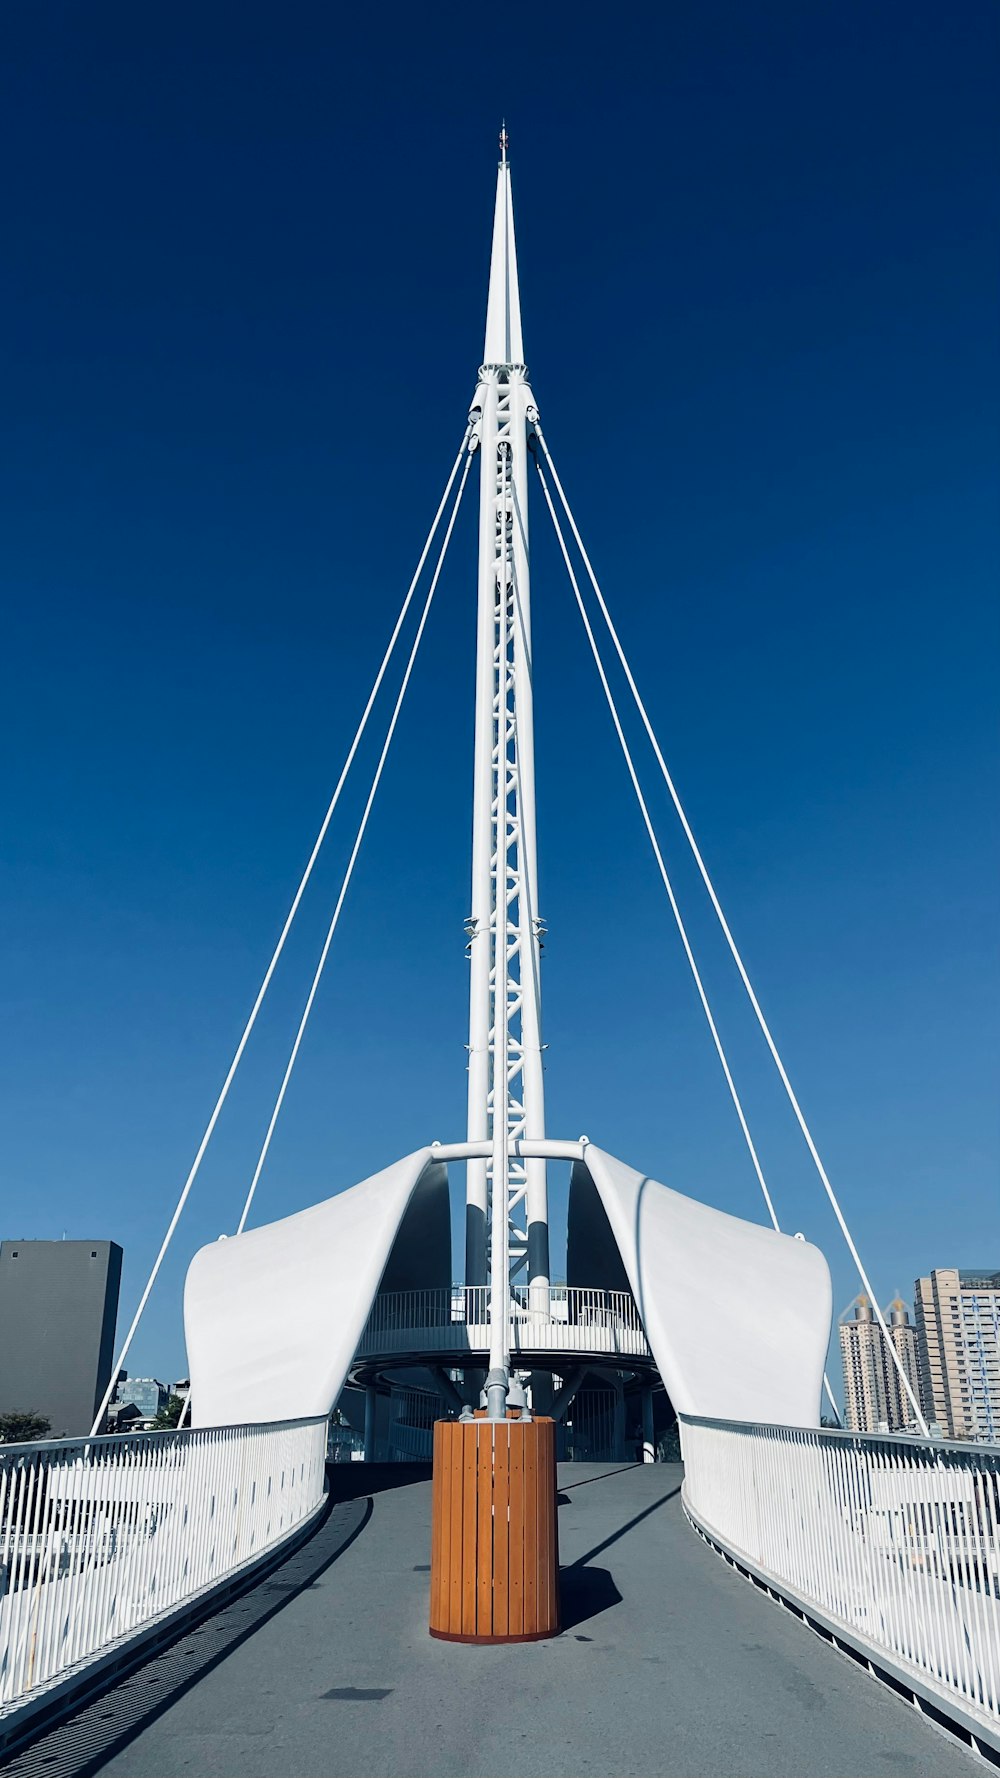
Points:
(356, 1481)
(586, 1592)
(599, 1548)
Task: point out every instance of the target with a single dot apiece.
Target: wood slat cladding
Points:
(495, 1542)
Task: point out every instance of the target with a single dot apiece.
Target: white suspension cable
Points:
(669, 887)
(349, 872)
(830, 1398)
(731, 942)
(659, 856)
(279, 947)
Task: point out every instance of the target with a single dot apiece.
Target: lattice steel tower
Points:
(504, 926)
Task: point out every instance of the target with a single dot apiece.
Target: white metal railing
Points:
(896, 1541)
(556, 1318)
(99, 1537)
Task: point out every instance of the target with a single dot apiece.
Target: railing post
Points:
(371, 1400)
(648, 1447)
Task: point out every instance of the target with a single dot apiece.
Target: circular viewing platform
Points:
(548, 1323)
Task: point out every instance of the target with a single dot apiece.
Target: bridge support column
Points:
(648, 1444)
(619, 1417)
(371, 1401)
(566, 1394)
(542, 1393)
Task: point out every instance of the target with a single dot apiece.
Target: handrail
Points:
(931, 1445)
(120, 1439)
(100, 1538)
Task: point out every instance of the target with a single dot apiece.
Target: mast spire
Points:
(504, 345)
(506, 1094)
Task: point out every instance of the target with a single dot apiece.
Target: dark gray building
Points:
(58, 1308)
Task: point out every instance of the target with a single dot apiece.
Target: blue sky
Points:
(246, 259)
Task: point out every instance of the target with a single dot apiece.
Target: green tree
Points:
(23, 1429)
(168, 1417)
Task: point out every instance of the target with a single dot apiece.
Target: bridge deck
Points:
(669, 1664)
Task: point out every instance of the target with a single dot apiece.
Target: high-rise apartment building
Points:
(958, 1327)
(874, 1397)
(58, 1305)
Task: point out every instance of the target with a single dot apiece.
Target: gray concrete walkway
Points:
(669, 1664)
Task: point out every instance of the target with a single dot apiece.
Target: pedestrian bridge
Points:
(669, 1664)
(115, 1550)
(224, 1601)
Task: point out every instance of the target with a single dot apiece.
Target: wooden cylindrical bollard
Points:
(495, 1540)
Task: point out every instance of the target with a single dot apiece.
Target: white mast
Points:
(504, 925)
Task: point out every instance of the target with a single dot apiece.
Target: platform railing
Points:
(100, 1537)
(556, 1318)
(890, 1543)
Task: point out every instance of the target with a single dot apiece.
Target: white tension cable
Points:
(300, 1033)
(685, 941)
(349, 872)
(731, 942)
(279, 947)
(658, 855)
